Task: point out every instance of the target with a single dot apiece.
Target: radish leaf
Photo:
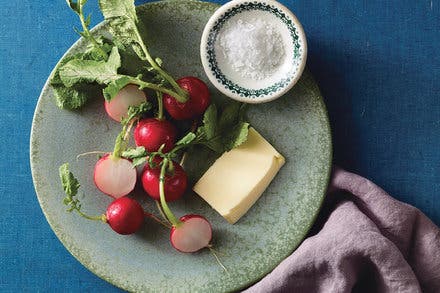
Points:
(136, 112)
(134, 153)
(118, 8)
(137, 155)
(114, 87)
(74, 97)
(77, 71)
(69, 182)
(226, 132)
(237, 136)
(73, 5)
(71, 185)
(121, 15)
(210, 122)
(229, 115)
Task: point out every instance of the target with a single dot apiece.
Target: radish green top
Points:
(99, 68)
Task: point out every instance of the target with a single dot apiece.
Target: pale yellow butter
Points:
(238, 178)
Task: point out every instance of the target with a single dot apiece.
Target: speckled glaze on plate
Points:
(296, 125)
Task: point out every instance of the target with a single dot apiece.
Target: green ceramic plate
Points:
(296, 124)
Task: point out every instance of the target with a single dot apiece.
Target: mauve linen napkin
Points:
(363, 241)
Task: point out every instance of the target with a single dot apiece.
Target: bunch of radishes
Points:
(162, 178)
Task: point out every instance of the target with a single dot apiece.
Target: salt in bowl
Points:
(253, 51)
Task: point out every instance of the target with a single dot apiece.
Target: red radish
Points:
(196, 104)
(114, 176)
(151, 133)
(175, 183)
(192, 234)
(125, 215)
(130, 95)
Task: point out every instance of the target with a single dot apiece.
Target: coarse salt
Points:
(253, 48)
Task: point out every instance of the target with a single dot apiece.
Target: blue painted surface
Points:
(378, 66)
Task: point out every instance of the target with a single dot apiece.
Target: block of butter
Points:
(238, 178)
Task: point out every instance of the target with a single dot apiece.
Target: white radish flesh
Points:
(115, 176)
(130, 95)
(193, 234)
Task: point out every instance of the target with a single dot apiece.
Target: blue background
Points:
(377, 63)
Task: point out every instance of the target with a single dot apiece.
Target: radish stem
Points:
(170, 216)
(182, 160)
(170, 167)
(160, 105)
(147, 214)
(155, 87)
(159, 207)
(93, 218)
(122, 139)
(86, 31)
(120, 146)
(217, 259)
(193, 129)
(182, 95)
(90, 153)
(128, 129)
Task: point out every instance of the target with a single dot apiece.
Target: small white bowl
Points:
(229, 78)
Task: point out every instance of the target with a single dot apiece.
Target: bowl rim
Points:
(220, 13)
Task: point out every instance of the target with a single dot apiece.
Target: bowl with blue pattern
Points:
(253, 51)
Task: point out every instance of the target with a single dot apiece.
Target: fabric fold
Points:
(364, 241)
